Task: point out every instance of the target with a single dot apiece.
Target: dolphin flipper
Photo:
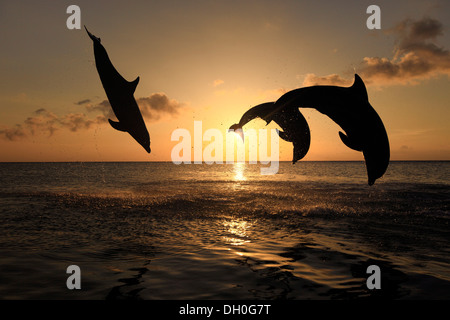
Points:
(283, 135)
(117, 125)
(295, 130)
(291, 121)
(348, 143)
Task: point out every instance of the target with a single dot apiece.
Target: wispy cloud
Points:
(218, 82)
(413, 132)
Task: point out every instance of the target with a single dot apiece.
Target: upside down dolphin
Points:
(120, 95)
(348, 107)
(291, 121)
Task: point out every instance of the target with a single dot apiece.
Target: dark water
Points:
(162, 231)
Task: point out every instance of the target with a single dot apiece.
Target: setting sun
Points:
(122, 179)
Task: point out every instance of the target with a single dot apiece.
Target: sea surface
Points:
(164, 231)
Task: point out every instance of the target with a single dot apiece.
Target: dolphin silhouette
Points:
(120, 93)
(348, 107)
(294, 125)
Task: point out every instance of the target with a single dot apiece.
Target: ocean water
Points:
(166, 231)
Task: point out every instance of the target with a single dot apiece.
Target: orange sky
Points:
(210, 61)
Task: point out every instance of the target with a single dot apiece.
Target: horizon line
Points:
(234, 162)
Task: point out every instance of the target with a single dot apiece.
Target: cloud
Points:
(103, 107)
(332, 79)
(80, 103)
(270, 94)
(13, 133)
(218, 82)
(43, 121)
(416, 57)
(156, 104)
(426, 28)
(152, 107)
(78, 121)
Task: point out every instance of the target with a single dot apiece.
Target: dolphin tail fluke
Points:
(117, 125)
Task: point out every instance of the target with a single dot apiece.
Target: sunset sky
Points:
(210, 61)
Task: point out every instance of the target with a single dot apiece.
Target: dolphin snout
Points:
(93, 38)
(238, 129)
(235, 127)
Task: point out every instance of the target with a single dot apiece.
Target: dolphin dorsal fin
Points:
(359, 86)
(133, 84)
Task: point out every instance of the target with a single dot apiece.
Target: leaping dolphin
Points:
(348, 107)
(291, 121)
(120, 95)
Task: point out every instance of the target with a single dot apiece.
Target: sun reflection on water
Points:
(238, 232)
(239, 168)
